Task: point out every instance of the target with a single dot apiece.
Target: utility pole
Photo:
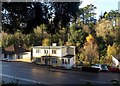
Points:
(50, 44)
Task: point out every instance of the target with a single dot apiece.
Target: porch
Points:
(54, 61)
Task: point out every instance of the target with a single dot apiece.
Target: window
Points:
(37, 50)
(38, 59)
(53, 51)
(43, 59)
(5, 56)
(18, 56)
(54, 60)
(46, 51)
(68, 61)
(11, 56)
(62, 61)
(65, 61)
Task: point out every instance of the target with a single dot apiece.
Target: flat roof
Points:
(53, 47)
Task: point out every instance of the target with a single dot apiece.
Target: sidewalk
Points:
(62, 70)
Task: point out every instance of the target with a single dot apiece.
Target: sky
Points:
(102, 5)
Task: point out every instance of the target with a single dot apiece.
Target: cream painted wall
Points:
(58, 52)
(71, 50)
(26, 55)
(64, 51)
(72, 62)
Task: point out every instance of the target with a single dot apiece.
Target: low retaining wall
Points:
(90, 69)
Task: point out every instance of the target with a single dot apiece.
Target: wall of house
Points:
(72, 62)
(42, 52)
(60, 52)
(59, 62)
(11, 57)
(115, 61)
(65, 63)
(64, 51)
(71, 50)
(26, 56)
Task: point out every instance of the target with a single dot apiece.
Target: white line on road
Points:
(23, 79)
(101, 82)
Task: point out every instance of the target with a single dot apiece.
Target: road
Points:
(28, 73)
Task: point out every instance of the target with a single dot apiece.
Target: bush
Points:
(86, 64)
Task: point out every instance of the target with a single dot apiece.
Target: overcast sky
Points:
(102, 5)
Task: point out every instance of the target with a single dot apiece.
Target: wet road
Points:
(28, 73)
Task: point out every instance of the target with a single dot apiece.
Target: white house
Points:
(116, 61)
(61, 56)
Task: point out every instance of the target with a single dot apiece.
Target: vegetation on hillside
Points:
(64, 24)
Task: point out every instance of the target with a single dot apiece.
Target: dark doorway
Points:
(5, 56)
(46, 61)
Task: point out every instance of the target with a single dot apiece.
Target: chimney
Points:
(54, 44)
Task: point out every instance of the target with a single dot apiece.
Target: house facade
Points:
(116, 61)
(61, 56)
(16, 53)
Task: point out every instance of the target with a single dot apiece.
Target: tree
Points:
(113, 16)
(87, 14)
(76, 35)
(102, 46)
(23, 16)
(46, 42)
(113, 50)
(90, 49)
(104, 29)
(63, 13)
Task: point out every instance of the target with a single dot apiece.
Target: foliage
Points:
(64, 11)
(89, 38)
(23, 16)
(113, 50)
(103, 30)
(63, 23)
(102, 46)
(108, 60)
(26, 16)
(102, 60)
(87, 14)
(76, 36)
(90, 49)
(46, 42)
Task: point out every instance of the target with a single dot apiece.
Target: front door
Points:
(46, 61)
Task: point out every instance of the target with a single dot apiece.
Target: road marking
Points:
(101, 82)
(23, 79)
